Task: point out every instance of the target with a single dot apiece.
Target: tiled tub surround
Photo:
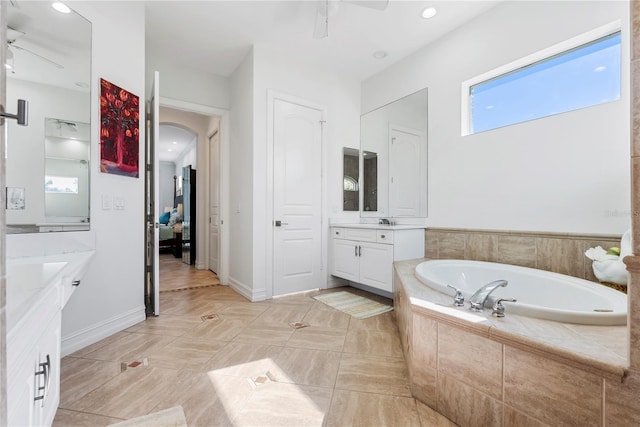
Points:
(478, 370)
(558, 252)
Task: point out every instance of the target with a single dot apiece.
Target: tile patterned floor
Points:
(245, 367)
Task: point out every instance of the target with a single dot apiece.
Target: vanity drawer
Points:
(384, 236)
(361, 234)
(339, 233)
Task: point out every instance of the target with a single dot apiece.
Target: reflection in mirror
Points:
(49, 65)
(369, 181)
(397, 135)
(66, 171)
(350, 181)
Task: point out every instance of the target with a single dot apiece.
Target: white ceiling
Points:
(214, 36)
(174, 141)
(44, 38)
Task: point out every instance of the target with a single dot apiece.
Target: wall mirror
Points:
(350, 179)
(49, 65)
(393, 142)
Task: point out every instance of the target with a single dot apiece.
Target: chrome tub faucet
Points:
(479, 298)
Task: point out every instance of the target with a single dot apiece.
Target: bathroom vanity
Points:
(364, 253)
(38, 287)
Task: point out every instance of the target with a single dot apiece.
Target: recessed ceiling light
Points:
(61, 7)
(174, 143)
(379, 54)
(429, 12)
(170, 149)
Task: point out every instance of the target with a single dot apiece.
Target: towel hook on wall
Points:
(23, 113)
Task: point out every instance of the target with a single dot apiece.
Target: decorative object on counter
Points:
(119, 130)
(15, 198)
(607, 265)
(352, 304)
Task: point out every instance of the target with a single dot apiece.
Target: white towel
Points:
(611, 268)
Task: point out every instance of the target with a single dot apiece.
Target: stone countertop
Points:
(599, 348)
(30, 277)
(380, 226)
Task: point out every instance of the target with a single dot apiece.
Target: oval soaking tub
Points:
(540, 293)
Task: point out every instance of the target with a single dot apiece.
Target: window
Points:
(554, 81)
(61, 184)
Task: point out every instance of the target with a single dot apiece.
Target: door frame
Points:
(217, 184)
(272, 96)
(223, 114)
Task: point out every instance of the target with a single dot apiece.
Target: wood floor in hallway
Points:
(229, 362)
(176, 275)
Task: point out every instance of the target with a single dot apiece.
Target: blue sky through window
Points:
(581, 77)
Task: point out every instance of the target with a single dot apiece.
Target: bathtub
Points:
(540, 293)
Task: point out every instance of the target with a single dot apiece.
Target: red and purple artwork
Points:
(119, 130)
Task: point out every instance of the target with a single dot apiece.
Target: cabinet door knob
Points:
(356, 250)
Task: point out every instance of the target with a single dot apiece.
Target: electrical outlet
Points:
(118, 203)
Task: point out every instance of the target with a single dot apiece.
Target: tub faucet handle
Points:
(458, 298)
(498, 308)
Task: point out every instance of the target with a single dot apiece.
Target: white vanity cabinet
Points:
(365, 253)
(37, 290)
(33, 362)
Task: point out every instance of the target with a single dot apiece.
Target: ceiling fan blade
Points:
(55, 64)
(371, 4)
(321, 28)
(12, 34)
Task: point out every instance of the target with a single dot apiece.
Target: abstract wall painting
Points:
(119, 130)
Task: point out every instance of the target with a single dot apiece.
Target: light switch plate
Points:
(106, 202)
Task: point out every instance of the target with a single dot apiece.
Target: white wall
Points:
(341, 98)
(566, 173)
(111, 296)
(25, 149)
(241, 136)
(179, 82)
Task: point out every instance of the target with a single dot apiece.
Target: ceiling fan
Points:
(12, 36)
(327, 8)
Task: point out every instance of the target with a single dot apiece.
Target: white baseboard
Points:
(246, 291)
(94, 333)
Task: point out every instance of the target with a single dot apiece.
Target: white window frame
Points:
(541, 55)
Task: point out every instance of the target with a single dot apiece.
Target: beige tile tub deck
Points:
(512, 371)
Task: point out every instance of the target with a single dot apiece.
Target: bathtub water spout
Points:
(480, 296)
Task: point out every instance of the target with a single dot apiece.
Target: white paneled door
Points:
(152, 195)
(297, 197)
(214, 200)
